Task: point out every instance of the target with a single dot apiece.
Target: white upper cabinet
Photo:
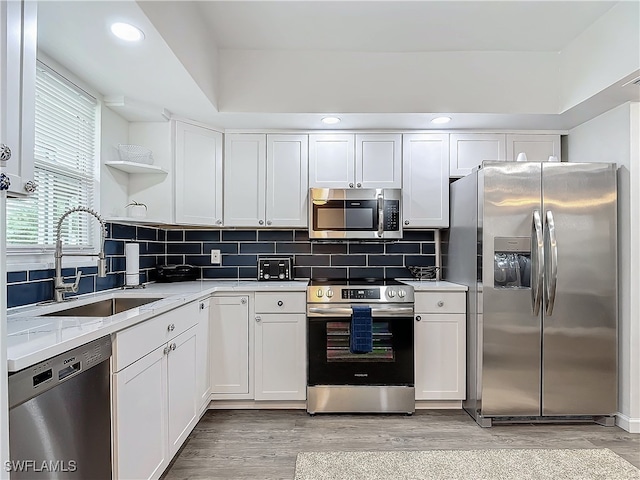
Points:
(17, 95)
(537, 148)
(468, 150)
(379, 161)
(244, 186)
(425, 192)
(355, 161)
(332, 160)
(287, 180)
(265, 180)
(198, 175)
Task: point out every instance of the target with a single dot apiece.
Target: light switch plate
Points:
(215, 257)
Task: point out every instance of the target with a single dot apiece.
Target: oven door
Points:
(332, 363)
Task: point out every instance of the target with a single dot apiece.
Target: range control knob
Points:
(267, 276)
(319, 292)
(329, 293)
(401, 293)
(391, 293)
(281, 276)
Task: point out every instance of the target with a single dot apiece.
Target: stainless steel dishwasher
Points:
(60, 416)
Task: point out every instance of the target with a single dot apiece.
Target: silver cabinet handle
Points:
(551, 260)
(166, 350)
(5, 152)
(359, 185)
(173, 346)
(351, 185)
(537, 251)
(440, 303)
(406, 222)
(268, 222)
(280, 303)
(202, 306)
(418, 318)
(258, 318)
(30, 186)
(243, 301)
(218, 222)
(261, 222)
(171, 327)
(5, 182)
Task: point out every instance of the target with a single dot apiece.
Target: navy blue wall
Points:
(240, 250)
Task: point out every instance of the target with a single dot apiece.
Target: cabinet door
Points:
(538, 148)
(181, 388)
(280, 357)
(244, 180)
(287, 187)
(203, 371)
(140, 418)
(331, 161)
(468, 150)
(425, 186)
(229, 345)
(379, 161)
(440, 356)
(198, 171)
(17, 96)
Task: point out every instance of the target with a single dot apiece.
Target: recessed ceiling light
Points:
(441, 120)
(330, 120)
(127, 32)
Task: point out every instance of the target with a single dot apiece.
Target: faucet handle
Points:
(74, 286)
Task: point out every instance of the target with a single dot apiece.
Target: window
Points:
(65, 166)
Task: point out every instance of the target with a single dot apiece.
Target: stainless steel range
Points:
(338, 378)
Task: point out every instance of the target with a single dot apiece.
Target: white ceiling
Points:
(400, 26)
(149, 74)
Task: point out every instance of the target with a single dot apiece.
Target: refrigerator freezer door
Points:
(579, 328)
(510, 332)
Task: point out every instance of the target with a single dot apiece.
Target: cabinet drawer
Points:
(135, 342)
(286, 302)
(440, 302)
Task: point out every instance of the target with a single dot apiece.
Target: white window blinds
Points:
(65, 165)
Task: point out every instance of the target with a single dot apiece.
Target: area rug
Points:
(495, 464)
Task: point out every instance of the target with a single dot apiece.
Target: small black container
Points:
(176, 273)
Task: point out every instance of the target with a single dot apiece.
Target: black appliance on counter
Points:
(275, 269)
(341, 381)
(176, 273)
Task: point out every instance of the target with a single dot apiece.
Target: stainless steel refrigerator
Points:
(536, 245)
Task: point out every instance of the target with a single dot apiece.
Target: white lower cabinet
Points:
(229, 347)
(280, 346)
(155, 405)
(440, 345)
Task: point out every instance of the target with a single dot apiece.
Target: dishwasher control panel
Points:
(31, 381)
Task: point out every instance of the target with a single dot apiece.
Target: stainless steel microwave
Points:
(366, 213)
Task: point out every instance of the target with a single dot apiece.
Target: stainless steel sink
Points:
(103, 308)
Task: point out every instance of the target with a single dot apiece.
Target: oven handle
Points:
(346, 312)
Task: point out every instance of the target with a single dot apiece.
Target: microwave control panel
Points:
(391, 215)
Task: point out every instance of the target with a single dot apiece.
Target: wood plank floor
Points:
(263, 444)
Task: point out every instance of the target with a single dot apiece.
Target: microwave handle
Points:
(380, 215)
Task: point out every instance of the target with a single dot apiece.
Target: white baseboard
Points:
(439, 404)
(254, 405)
(631, 425)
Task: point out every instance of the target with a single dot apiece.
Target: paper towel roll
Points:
(132, 260)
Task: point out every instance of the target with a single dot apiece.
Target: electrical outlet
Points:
(215, 257)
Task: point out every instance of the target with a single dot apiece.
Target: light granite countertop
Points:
(32, 337)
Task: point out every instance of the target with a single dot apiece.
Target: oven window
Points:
(338, 350)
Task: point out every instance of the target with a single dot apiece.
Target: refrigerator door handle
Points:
(551, 261)
(537, 252)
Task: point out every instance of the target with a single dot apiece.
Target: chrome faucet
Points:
(60, 288)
